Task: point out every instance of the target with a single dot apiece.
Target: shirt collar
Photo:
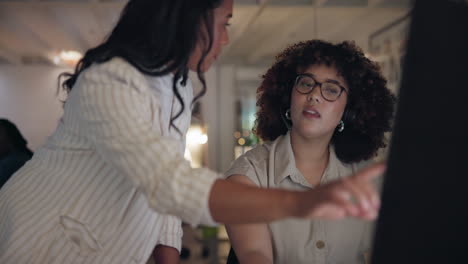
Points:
(285, 164)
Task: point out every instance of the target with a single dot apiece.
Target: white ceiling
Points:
(32, 31)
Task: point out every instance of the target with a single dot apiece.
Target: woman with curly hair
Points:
(323, 110)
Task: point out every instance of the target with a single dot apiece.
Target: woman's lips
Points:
(311, 113)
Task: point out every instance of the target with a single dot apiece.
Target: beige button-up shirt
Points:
(272, 165)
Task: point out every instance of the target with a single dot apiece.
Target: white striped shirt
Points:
(99, 190)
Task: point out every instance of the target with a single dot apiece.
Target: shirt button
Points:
(320, 244)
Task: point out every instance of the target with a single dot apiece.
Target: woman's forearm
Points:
(254, 257)
(232, 202)
(165, 255)
(354, 196)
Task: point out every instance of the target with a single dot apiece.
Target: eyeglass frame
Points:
(320, 86)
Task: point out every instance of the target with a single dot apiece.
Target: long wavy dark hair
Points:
(157, 37)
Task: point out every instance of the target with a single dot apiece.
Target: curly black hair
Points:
(370, 105)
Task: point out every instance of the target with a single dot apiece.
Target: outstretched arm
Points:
(352, 196)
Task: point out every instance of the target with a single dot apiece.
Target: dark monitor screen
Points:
(424, 213)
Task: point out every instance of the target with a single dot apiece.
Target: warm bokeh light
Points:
(195, 136)
(67, 58)
(70, 55)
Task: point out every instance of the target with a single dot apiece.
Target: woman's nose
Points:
(315, 94)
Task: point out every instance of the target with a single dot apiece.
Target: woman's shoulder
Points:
(115, 70)
(115, 65)
(252, 164)
(255, 156)
(262, 151)
(259, 151)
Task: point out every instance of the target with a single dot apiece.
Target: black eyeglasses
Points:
(329, 90)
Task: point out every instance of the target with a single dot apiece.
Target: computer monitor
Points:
(424, 213)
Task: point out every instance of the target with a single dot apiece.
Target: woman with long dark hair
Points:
(111, 183)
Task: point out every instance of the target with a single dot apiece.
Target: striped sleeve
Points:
(116, 110)
(171, 232)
